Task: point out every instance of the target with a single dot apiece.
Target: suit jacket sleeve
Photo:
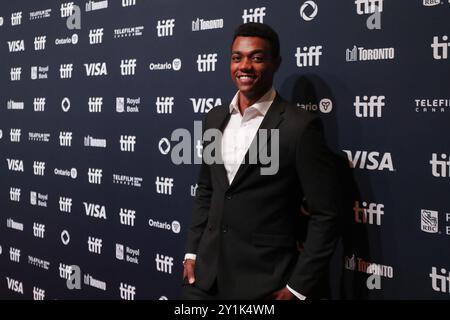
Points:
(316, 169)
(201, 207)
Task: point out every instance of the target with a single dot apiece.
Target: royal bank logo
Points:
(200, 24)
(309, 10)
(40, 42)
(164, 105)
(128, 67)
(308, 56)
(95, 210)
(429, 221)
(73, 39)
(95, 175)
(363, 54)
(369, 107)
(440, 165)
(175, 65)
(38, 168)
(39, 73)
(164, 263)
(127, 217)
(96, 69)
(368, 213)
(440, 47)
(127, 254)
(95, 245)
(96, 36)
(38, 293)
(440, 280)
(14, 285)
(127, 180)
(41, 14)
(95, 104)
(16, 45)
(38, 199)
(174, 226)
(127, 143)
(254, 15)
(65, 70)
(96, 5)
(65, 204)
(325, 105)
(370, 160)
(10, 223)
(430, 3)
(164, 185)
(130, 105)
(129, 32)
(164, 28)
(127, 291)
(16, 18)
(204, 105)
(15, 73)
(14, 194)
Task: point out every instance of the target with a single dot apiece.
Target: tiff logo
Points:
(369, 213)
(165, 27)
(14, 194)
(440, 49)
(14, 254)
(15, 73)
(95, 104)
(308, 56)
(38, 230)
(127, 3)
(66, 9)
(65, 71)
(254, 15)
(127, 292)
(65, 204)
(39, 104)
(164, 263)
(38, 293)
(440, 282)
(95, 176)
(65, 271)
(440, 168)
(368, 6)
(95, 36)
(65, 139)
(16, 18)
(95, 245)
(127, 217)
(15, 134)
(39, 43)
(164, 185)
(128, 67)
(127, 143)
(369, 107)
(206, 62)
(38, 168)
(164, 104)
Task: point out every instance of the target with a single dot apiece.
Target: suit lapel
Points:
(272, 120)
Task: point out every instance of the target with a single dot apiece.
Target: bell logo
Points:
(370, 160)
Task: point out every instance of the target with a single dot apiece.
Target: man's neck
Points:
(244, 101)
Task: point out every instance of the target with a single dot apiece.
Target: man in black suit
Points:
(243, 238)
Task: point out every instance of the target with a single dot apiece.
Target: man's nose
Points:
(245, 64)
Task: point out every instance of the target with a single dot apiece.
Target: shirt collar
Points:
(262, 105)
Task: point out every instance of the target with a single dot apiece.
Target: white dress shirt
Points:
(237, 137)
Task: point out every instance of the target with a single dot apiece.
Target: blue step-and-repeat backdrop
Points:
(91, 91)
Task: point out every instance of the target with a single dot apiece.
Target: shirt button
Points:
(229, 197)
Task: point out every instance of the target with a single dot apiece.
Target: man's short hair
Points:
(260, 30)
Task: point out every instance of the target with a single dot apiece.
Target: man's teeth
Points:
(245, 77)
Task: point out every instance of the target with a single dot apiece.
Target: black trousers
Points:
(192, 292)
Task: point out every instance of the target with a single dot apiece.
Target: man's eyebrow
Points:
(251, 52)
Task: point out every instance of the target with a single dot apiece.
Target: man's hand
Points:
(283, 294)
(188, 272)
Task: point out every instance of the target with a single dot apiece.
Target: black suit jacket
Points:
(245, 234)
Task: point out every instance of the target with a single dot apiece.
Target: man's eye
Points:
(258, 59)
(236, 59)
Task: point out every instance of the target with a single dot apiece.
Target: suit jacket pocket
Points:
(273, 240)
